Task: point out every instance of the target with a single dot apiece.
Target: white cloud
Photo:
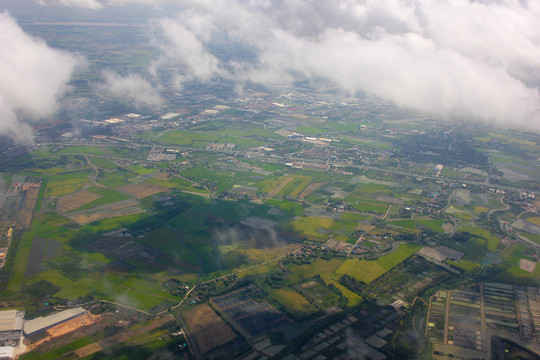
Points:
(96, 4)
(88, 4)
(131, 87)
(464, 59)
(181, 41)
(458, 59)
(34, 76)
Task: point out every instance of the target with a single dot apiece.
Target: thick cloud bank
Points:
(33, 77)
(131, 87)
(459, 59)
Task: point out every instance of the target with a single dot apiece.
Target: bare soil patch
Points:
(142, 190)
(309, 189)
(278, 188)
(527, 265)
(28, 209)
(76, 200)
(119, 208)
(209, 330)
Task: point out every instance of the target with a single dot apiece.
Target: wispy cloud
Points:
(87, 4)
(34, 76)
(131, 87)
(463, 59)
(460, 59)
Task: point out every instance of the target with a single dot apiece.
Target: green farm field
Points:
(367, 271)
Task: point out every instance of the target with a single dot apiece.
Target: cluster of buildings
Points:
(14, 328)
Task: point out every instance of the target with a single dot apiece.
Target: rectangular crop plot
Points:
(28, 209)
(251, 317)
(42, 249)
(119, 208)
(142, 190)
(208, 329)
(76, 200)
(124, 248)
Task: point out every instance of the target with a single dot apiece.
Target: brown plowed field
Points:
(76, 200)
(120, 208)
(278, 188)
(28, 209)
(142, 190)
(119, 338)
(310, 188)
(209, 330)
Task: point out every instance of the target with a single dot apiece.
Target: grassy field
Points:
(433, 225)
(367, 271)
(531, 236)
(114, 179)
(362, 270)
(60, 185)
(465, 265)
(103, 163)
(459, 212)
(324, 268)
(200, 139)
(491, 241)
(60, 352)
(293, 302)
(289, 208)
(269, 185)
(86, 150)
(296, 186)
(47, 226)
(352, 298)
(109, 196)
(310, 226)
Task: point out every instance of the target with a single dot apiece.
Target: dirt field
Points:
(117, 339)
(28, 209)
(309, 189)
(142, 190)
(527, 265)
(76, 200)
(208, 328)
(278, 188)
(88, 350)
(120, 208)
(73, 324)
(64, 329)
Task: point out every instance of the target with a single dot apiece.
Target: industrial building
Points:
(11, 325)
(35, 326)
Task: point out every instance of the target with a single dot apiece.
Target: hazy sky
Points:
(456, 59)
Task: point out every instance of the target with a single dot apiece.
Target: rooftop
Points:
(11, 320)
(42, 323)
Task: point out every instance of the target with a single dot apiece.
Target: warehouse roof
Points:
(43, 323)
(11, 320)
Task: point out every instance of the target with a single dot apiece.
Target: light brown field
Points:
(527, 265)
(209, 330)
(88, 350)
(119, 208)
(65, 328)
(278, 188)
(142, 190)
(310, 188)
(28, 209)
(535, 220)
(119, 338)
(76, 200)
(73, 324)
